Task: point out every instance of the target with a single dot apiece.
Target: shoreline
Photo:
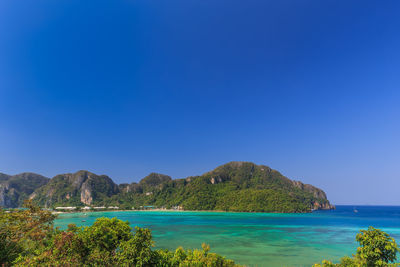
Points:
(188, 211)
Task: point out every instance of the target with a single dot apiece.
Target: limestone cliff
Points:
(80, 188)
(14, 189)
(323, 202)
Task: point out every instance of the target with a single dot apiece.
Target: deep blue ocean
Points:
(259, 239)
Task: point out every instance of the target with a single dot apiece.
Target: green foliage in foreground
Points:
(377, 248)
(28, 238)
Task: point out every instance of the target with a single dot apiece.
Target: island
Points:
(235, 187)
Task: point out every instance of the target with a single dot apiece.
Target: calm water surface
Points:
(259, 239)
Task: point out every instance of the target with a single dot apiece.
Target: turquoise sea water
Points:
(259, 239)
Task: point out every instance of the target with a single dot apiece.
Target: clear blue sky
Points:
(124, 88)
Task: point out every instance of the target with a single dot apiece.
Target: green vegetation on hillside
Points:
(235, 186)
(27, 238)
(78, 189)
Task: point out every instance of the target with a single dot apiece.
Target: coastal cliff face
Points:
(14, 189)
(323, 205)
(235, 186)
(78, 188)
(318, 194)
(86, 194)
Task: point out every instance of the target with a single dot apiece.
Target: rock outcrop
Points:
(317, 193)
(78, 188)
(14, 189)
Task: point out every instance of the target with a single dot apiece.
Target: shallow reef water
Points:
(258, 239)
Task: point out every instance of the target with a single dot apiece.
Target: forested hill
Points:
(235, 186)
